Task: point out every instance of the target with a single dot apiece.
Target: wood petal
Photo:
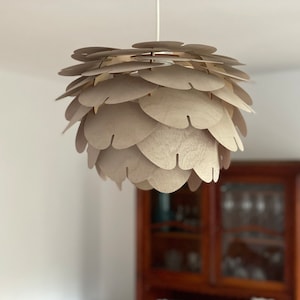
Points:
(82, 53)
(230, 72)
(118, 52)
(194, 182)
(166, 147)
(224, 157)
(100, 172)
(80, 141)
(163, 58)
(178, 108)
(241, 93)
(93, 154)
(169, 181)
(72, 92)
(227, 94)
(182, 78)
(80, 68)
(123, 67)
(121, 125)
(120, 164)
(119, 89)
(239, 121)
(199, 49)
(79, 82)
(144, 185)
(71, 109)
(207, 166)
(222, 59)
(78, 115)
(225, 133)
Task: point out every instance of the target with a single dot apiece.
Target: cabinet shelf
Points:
(252, 228)
(260, 241)
(176, 235)
(173, 225)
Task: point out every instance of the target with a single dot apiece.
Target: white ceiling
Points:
(38, 36)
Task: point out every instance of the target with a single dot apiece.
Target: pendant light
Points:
(161, 114)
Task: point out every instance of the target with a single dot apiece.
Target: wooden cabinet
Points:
(238, 238)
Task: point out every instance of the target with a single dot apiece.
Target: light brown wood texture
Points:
(182, 78)
(75, 87)
(119, 89)
(194, 182)
(144, 185)
(120, 52)
(78, 115)
(80, 141)
(222, 59)
(227, 94)
(168, 147)
(79, 82)
(126, 163)
(229, 72)
(121, 126)
(160, 114)
(168, 181)
(71, 109)
(79, 69)
(225, 133)
(179, 108)
(82, 53)
(124, 67)
(242, 93)
(199, 49)
(93, 155)
(170, 58)
(224, 157)
(239, 121)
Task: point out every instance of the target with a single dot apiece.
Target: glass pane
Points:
(252, 219)
(252, 259)
(261, 205)
(176, 239)
(176, 253)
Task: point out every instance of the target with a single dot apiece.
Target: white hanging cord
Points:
(157, 19)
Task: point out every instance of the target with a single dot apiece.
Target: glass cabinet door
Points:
(252, 231)
(176, 231)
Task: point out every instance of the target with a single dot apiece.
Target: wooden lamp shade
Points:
(160, 114)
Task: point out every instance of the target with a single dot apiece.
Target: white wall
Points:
(274, 130)
(64, 234)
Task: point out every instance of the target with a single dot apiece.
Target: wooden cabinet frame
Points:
(158, 284)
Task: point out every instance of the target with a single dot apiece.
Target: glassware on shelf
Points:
(193, 261)
(257, 273)
(277, 212)
(260, 209)
(228, 212)
(173, 260)
(254, 259)
(245, 210)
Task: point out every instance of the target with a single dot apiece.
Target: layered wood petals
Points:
(182, 78)
(119, 89)
(161, 114)
(179, 109)
(129, 162)
(121, 126)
